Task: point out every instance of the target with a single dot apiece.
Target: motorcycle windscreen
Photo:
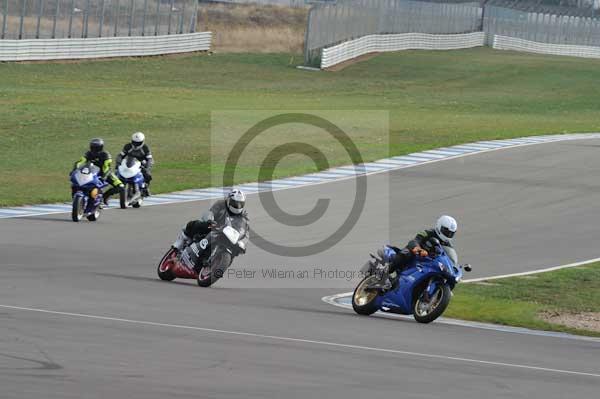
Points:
(83, 176)
(451, 252)
(130, 167)
(240, 225)
(232, 234)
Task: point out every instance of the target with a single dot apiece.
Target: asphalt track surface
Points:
(125, 334)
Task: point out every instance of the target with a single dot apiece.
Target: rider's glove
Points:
(418, 251)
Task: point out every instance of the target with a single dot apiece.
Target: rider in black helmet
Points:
(102, 159)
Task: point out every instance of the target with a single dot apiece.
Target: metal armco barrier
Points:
(552, 30)
(61, 49)
(331, 24)
(511, 43)
(406, 41)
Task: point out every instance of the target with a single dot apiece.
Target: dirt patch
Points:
(254, 28)
(353, 61)
(583, 321)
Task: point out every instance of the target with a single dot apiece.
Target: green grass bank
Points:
(48, 112)
(566, 300)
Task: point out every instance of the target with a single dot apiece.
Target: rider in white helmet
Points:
(444, 230)
(138, 149)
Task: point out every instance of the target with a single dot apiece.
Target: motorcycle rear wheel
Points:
(426, 312)
(219, 264)
(77, 211)
(363, 300)
(165, 275)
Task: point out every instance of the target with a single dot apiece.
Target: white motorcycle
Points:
(130, 173)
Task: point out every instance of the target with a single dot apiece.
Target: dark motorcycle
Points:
(219, 247)
(86, 186)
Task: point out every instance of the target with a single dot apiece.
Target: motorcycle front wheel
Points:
(219, 264)
(426, 311)
(77, 211)
(363, 298)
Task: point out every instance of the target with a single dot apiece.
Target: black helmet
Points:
(96, 145)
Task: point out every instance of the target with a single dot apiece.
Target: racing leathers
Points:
(193, 241)
(142, 154)
(401, 257)
(416, 246)
(103, 161)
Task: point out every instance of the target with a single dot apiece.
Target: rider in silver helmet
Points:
(139, 149)
(232, 206)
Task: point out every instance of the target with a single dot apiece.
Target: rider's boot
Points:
(383, 278)
(111, 191)
(146, 190)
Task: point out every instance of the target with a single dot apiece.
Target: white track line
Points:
(333, 300)
(310, 341)
(585, 262)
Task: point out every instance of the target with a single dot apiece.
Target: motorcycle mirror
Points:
(467, 267)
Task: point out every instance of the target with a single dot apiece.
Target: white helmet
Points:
(446, 227)
(236, 201)
(137, 140)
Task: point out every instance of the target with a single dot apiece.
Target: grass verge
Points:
(527, 301)
(48, 112)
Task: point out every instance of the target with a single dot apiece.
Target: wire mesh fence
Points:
(329, 24)
(576, 8)
(44, 19)
(574, 22)
(542, 27)
(284, 3)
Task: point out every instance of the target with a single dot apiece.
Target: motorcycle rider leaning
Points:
(194, 232)
(102, 159)
(140, 151)
(444, 231)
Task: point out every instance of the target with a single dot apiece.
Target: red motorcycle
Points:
(225, 243)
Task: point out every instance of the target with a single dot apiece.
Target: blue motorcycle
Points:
(130, 173)
(87, 192)
(422, 289)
